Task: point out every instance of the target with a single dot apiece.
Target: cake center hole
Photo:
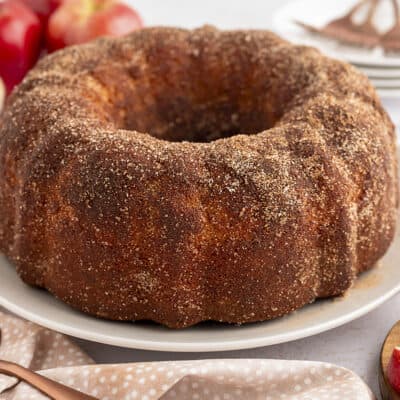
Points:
(201, 124)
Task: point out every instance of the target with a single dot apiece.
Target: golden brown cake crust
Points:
(192, 222)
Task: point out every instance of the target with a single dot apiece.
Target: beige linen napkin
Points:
(58, 358)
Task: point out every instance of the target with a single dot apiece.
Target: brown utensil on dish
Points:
(50, 388)
(346, 30)
(392, 340)
(391, 40)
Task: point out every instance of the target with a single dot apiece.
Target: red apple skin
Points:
(43, 8)
(393, 370)
(79, 21)
(20, 37)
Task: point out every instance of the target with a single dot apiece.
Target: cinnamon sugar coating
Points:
(127, 192)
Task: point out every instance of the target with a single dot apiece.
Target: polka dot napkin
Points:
(58, 358)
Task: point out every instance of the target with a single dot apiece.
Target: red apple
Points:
(43, 8)
(79, 21)
(20, 35)
(393, 370)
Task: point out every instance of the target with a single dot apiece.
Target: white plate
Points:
(386, 83)
(386, 93)
(318, 13)
(380, 73)
(372, 289)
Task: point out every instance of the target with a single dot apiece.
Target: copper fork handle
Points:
(52, 389)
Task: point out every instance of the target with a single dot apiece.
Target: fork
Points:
(52, 389)
(345, 30)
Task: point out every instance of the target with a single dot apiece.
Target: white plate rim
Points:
(379, 73)
(196, 346)
(199, 346)
(390, 84)
(386, 93)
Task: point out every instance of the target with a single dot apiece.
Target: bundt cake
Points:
(181, 176)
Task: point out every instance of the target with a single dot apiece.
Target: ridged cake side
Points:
(129, 226)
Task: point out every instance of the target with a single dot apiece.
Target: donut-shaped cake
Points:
(181, 176)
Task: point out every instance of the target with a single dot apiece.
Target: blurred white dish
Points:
(380, 73)
(318, 13)
(386, 93)
(393, 84)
